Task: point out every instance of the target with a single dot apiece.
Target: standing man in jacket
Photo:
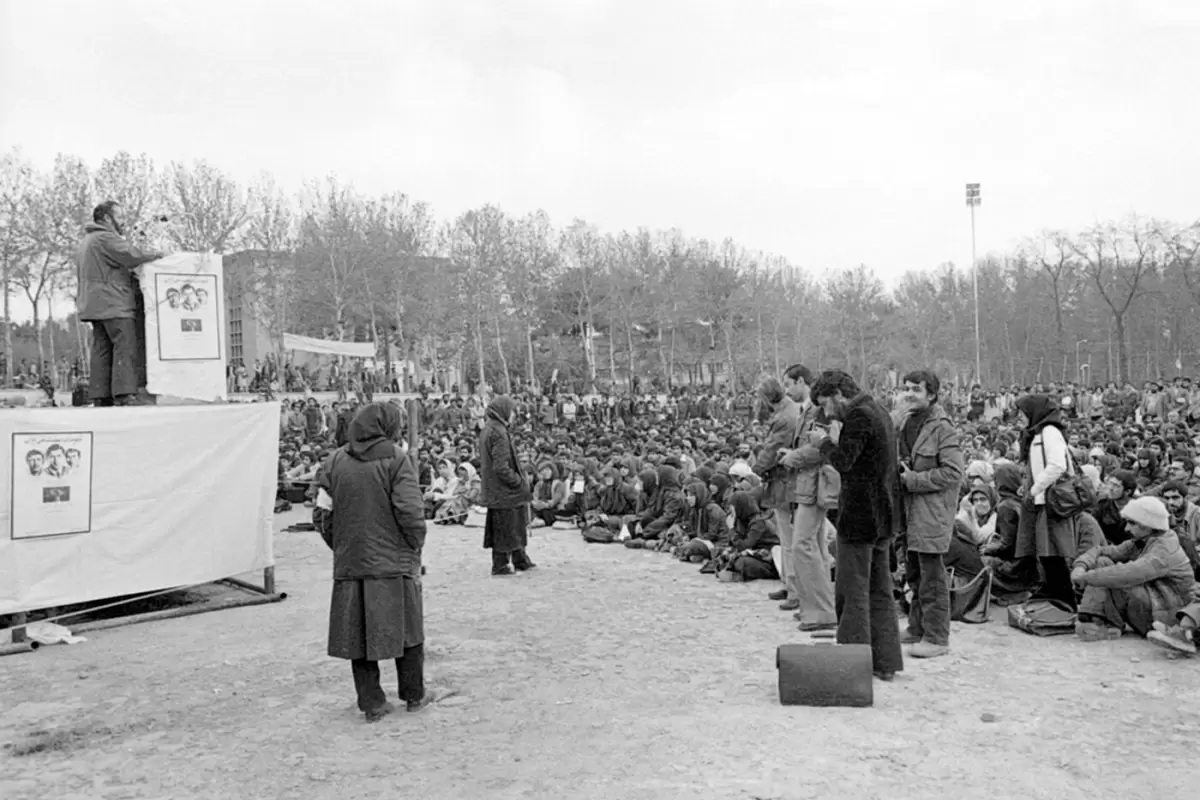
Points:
(931, 470)
(108, 300)
(863, 449)
(777, 489)
(808, 469)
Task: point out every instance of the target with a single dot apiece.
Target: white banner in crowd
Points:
(102, 502)
(185, 326)
(325, 347)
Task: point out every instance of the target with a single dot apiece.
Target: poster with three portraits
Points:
(188, 322)
(51, 484)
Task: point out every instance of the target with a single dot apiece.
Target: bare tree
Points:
(1117, 259)
(208, 209)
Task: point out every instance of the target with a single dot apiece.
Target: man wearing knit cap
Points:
(776, 495)
(1145, 580)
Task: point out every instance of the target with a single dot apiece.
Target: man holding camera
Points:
(777, 494)
(813, 483)
(108, 299)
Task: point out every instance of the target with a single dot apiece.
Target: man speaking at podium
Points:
(107, 298)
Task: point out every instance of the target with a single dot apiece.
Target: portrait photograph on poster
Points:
(51, 484)
(188, 325)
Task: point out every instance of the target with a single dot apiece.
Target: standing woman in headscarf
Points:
(504, 491)
(374, 522)
(1051, 539)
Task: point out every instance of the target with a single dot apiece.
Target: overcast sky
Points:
(830, 133)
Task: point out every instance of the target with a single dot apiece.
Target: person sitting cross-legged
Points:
(1145, 580)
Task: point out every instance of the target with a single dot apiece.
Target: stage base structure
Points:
(825, 674)
(254, 596)
(135, 502)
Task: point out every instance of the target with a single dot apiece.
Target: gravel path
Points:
(604, 673)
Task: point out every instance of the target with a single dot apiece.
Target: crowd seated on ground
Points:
(677, 475)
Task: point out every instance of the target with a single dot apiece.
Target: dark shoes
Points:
(376, 714)
(505, 570)
(886, 677)
(809, 627)
(526, 566)
(778, 595)
(413, 706)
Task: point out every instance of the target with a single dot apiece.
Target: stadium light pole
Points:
(973, 200)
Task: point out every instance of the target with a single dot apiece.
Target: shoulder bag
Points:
(1071, 493)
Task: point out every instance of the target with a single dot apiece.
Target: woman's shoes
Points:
(376, 714)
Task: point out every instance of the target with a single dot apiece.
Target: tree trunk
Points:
(503, 359)
(629, 341)
(8, 345)
(530, 373)
(50, 329)
(1122, 349)
(671, 361)
(612, 358)
(729, 355)
(478, 330)
(37, 334)
(85, 359)
(778, 369)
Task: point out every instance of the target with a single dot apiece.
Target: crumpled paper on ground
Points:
(49, 633)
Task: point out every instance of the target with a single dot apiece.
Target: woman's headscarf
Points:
(373, 431)
(649, 479)
(745, 506)
(1008, 479)
(468, 468)
(1042, 410)
(501, 409)
(700, 490)
(721, 482)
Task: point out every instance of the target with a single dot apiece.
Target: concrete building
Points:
(247, 339)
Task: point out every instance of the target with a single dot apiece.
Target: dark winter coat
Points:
(376, 529)
(753, 528)
(674, 511)
(501, 483)
(865, 456)
(105, 262)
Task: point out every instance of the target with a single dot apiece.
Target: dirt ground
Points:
(604, 673)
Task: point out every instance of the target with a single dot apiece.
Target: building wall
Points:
(246, 339)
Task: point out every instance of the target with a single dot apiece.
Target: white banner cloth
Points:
(116, 501)
(185, 326)
(327, 348)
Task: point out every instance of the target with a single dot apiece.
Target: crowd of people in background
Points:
(738, 486)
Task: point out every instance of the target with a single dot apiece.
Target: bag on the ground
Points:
(970, 596)
(1043, 617)
(598, 534)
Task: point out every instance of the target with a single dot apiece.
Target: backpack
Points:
(1042, 617)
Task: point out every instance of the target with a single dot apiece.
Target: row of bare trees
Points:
(510, 297)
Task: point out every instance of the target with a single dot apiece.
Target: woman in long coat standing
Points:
(373, 520)
(503, 491)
